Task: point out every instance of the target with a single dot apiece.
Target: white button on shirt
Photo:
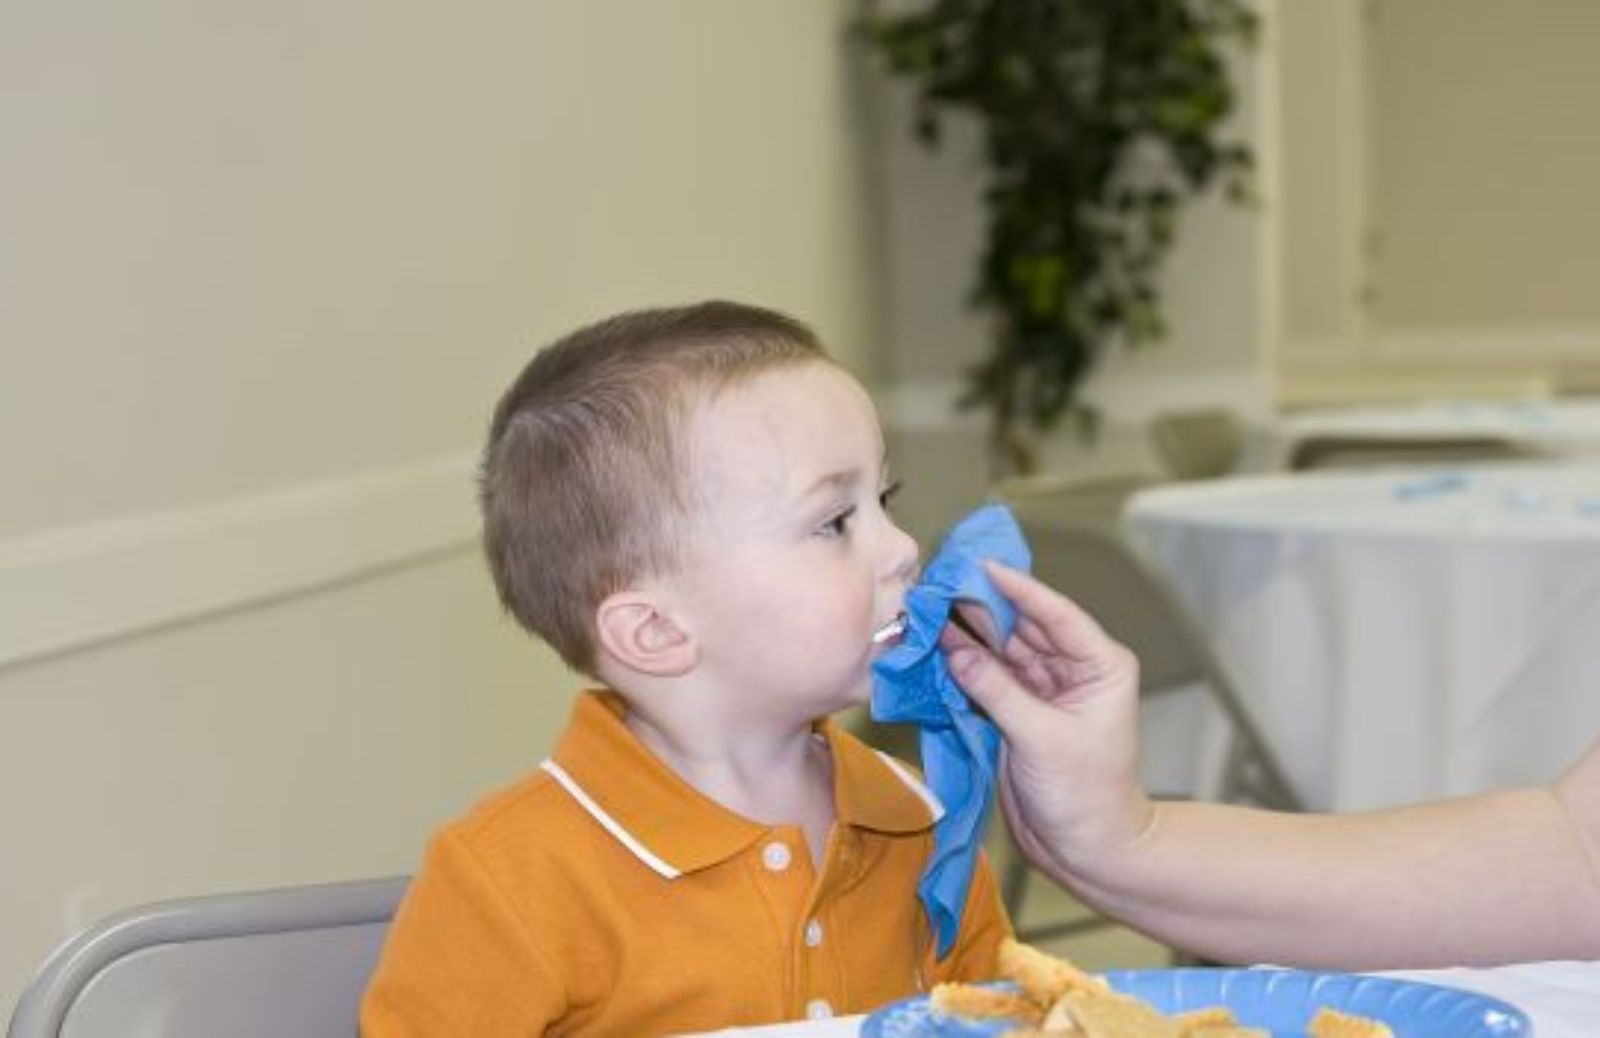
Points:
(814, 933)
(818, 1009)
(775, 856)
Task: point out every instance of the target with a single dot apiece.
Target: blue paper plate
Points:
(1281, 1001)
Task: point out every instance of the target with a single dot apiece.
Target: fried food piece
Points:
(1212, 1016)
(1043, 978)
(1104, 1014)
(982, 1003)
(1330, 1023)
(1060, 1020)
(1214, 1022)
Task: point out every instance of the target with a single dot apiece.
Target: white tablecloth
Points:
(1562, 1000)
(1562, 427)
(1398, 636)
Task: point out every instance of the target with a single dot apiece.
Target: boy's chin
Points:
(856, 696)
(849, 695)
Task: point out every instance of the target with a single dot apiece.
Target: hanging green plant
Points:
(1100, 118)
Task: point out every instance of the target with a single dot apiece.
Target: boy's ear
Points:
(637, 633)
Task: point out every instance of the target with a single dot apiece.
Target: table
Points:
(1398, 635)
(1560, 427)
(1562, 999)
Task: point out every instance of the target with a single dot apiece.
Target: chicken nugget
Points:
(1043, 978)
(978, 1003)
(1330, 1023)
(1211, 1016)
(1103, 1014)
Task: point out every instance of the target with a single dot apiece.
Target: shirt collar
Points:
(675, 828)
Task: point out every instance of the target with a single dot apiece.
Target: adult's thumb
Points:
(989, 684)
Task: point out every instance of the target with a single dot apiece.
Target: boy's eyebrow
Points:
(833, 480)
(843, 479)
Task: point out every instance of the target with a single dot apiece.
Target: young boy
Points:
(689, 506)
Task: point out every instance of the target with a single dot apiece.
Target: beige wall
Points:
(1322, 169)
(262, 272)
(1439, 156)
(361, 217)
(1485, 155)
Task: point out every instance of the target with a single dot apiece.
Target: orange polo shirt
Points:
(603, 895)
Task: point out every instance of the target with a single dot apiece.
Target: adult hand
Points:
(1064, 695)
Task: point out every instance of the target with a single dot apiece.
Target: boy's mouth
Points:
(890, 632)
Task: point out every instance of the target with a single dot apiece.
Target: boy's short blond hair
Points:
(583, 484)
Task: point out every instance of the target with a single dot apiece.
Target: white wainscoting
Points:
(68, 589)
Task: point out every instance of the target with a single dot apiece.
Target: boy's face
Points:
(792, 561)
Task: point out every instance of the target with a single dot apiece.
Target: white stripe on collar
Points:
(611, 825)
(934, 807)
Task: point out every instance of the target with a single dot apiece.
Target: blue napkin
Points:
(911, 683)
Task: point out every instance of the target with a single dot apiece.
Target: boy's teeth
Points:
(893, 629)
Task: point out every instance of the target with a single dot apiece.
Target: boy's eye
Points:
(839, 525)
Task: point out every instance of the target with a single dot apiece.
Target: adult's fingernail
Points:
(964, 660)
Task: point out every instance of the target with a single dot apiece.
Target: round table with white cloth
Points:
(1569, 427)
(1399, 635)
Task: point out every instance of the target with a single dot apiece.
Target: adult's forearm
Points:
(1498, 878)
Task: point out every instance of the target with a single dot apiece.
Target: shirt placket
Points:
(816, 991)
(817, 969)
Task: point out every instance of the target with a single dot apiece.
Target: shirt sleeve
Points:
(984, 924)
(459, 959)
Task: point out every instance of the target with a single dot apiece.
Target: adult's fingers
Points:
(992, 685)
(1034, 639)
(1048, 620)
(1019, 657)
(955, 636)
(977, 622)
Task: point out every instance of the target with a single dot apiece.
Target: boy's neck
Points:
(776, 775)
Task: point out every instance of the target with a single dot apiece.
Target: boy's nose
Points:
(902, 555)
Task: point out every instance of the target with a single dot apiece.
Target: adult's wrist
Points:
(1103, 864)
(1098, 850)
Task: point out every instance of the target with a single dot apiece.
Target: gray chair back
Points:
(265, 964)
(1054, 499)
(1575, 377)
(1096, 571)
(1198, 443)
